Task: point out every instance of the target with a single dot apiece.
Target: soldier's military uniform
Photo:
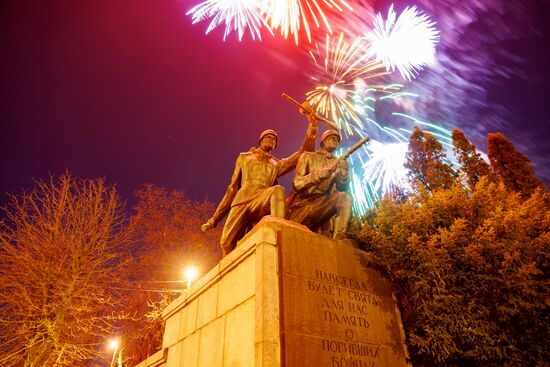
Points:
(254, 192)
(323, 205)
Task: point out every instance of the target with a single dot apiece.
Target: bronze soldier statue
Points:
(320, 199)
(253, 191)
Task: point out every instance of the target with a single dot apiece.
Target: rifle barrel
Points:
(317, 116)
(354, 148)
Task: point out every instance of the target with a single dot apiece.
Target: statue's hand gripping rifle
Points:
(309, 110)
(331, 172)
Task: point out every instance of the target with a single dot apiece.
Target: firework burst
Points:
(340, 69)
(291, 15)
(385, 169)
(378, 168)
(238, 16)
(406, 43)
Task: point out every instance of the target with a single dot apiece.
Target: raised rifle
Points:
(353, 148)
(309, 110)
(344, 156)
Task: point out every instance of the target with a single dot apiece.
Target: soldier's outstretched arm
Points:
(225, 203)
(311, 134)
(288, 164)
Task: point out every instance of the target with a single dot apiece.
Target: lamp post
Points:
(189, 275)
(114, 345)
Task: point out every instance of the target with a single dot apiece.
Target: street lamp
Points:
(189, 275)
(114, 345)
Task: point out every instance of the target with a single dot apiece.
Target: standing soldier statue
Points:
(253, 191)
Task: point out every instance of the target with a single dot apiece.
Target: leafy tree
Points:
(64, 251)
(473, 167)
(166, 227)
(511, 166)
(166, 234)
(471, 273)
(427, 162)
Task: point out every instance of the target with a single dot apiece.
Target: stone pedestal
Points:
(286, 297)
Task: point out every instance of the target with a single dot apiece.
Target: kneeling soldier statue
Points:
(253, 191)
(320, 199)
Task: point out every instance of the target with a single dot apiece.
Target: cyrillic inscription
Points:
(345, 303)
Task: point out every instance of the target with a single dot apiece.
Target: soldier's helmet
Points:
(268, 132)
(328, 133)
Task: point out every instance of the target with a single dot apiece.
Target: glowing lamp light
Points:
(114, 346)
(189, 275)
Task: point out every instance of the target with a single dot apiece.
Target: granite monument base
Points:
(286, 297)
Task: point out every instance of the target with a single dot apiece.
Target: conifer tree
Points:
(427, 162)
(511, 166)
(472, 165)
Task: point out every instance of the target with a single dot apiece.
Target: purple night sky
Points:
(132, 91)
